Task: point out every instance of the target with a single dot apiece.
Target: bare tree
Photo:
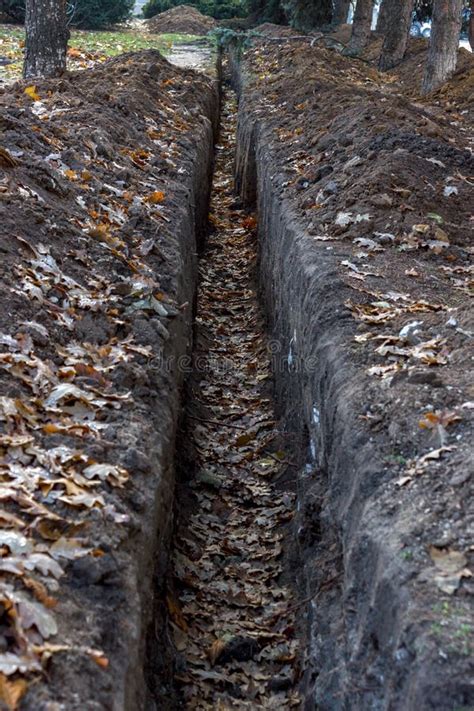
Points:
(397, 24)
(361, 26)
(444, 42)
(341, 11)
(46, 38)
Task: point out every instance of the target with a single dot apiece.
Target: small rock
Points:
(134, 459)
(319, 173)
(331, 187)
(204, 476)
(345, 140)
(426, 378)
(460, 478)
(326, 142)
(384, 237)
(382, 200)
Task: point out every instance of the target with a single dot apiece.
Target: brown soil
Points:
(268, 29)
(364, 194)
(459, 92)
(98, 189)
(365, 199)
(182, 19)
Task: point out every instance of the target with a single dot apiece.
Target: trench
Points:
(227, 611)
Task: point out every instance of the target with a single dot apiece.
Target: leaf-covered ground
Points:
(86, 48)
(95, 217)
(231, 617)
(365, 206)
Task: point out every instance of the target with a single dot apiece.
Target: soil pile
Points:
(183, 19)
(365, 203)
(269, 29)
(409, 74)
(98, 178)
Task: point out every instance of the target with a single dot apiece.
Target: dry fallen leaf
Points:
(156, 197)
(31, 92)
(175, 613)
(431, 420)
(216, 650)
(447, 560)
(12, 691)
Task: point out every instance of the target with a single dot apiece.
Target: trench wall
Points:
(361, 650)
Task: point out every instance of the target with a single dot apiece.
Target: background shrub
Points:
(87, 14)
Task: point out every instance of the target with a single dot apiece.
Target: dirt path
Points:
(191, 56)
(229, 612)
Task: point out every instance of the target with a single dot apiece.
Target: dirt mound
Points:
(99, 178)
(184, 19)
(268, 29)
(459, 91)
(365, 207)
(457, 94)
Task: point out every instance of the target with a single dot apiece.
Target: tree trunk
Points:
(382, 19)
(397, 23)
(471, 26)
(360, 26)
(444, 42)
(46, 38)
(341, 11)
(306, 15)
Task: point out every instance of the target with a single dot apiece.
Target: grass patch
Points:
(87, 48)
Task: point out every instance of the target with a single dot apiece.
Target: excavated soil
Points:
(182, 19)
(103, 189)
(322, 556)
(364, 198)
(458, 93)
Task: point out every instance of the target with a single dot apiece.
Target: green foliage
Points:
(94, 14)
(220, 9)
(154, 7)
(267, 11)
(302, 14)
(87, 14)
(14, 9)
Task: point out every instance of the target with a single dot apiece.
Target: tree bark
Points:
(341, 11)
(397, 24)
(444, 42)
(360, 26)
(382, 19)
(306, 15)
(46, 38)
(471, 26)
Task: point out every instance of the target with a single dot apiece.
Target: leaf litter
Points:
(229, 613)
(74, 257)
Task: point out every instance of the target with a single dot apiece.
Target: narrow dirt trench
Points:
(230, 616)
